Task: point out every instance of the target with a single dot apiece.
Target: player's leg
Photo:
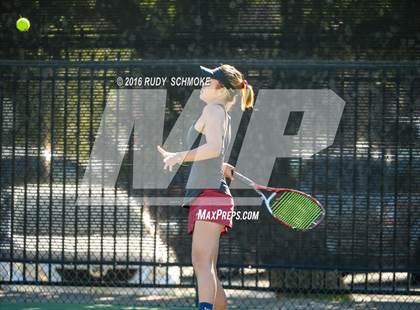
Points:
(220, 302)
(205, 243)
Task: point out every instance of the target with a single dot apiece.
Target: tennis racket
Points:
(295, 209)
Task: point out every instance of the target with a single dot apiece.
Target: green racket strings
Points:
(296, 210)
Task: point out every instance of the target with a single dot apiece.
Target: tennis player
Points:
(207, 180)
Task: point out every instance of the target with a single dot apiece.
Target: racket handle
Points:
(243, 178)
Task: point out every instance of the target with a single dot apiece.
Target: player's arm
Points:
(228, 171)
(213, 118)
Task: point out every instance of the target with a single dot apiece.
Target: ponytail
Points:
(247, 101)
(238, 83)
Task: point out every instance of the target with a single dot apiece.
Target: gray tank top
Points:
(206, 173)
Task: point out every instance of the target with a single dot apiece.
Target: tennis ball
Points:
(23, 24)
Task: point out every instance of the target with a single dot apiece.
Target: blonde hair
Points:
(236, 79)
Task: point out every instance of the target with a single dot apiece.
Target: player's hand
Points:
(169, 159)
(228, 171)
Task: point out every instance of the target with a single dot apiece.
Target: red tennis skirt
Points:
(211, 206)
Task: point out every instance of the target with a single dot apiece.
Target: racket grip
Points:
(244, 179)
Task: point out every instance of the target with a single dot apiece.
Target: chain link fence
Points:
(366, 253)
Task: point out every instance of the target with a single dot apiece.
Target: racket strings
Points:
(292, 211)
(295, 217)
(309, 212)
(296, 210)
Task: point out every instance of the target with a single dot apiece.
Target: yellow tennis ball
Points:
(23, 24)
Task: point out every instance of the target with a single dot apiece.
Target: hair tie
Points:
(244, 83)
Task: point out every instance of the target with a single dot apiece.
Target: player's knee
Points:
(200, 259)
